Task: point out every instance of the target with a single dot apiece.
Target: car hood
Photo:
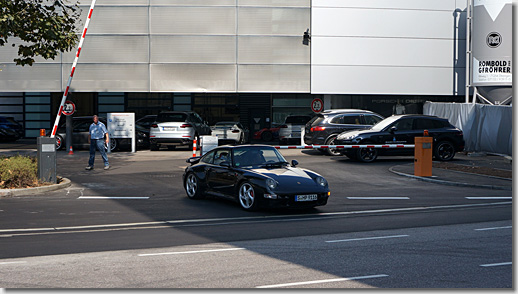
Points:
(291, 179)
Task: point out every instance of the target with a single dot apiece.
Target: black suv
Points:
(324, 127)
(402, 129)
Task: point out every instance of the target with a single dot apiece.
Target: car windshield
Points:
(171, 117)
(384, 123)
(257, 156)
(225, 125)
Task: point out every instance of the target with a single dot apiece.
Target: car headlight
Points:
(270, 183)
(321, 181)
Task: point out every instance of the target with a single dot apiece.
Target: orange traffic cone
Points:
(71, 151)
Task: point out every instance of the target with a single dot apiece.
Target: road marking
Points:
(268, 218)
(369, 238)
(322, 281)
(191, 252)
(496, 264)
(12, 262)
(378, 198)
(107, 197)
(489, 198)
(495, 228)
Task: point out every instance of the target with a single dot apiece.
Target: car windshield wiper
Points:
(274, 164)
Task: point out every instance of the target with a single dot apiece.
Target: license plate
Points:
(311, 197)
(169, 129)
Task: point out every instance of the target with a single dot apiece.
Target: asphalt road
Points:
(419, 235)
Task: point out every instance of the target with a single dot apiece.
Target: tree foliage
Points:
(38, 27)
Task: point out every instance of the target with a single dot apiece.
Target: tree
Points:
(42, 27)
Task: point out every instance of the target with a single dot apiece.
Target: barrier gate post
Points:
(423, 156)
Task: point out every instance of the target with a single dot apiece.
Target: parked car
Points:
(146, 121)
(230, 131)
(177, 128)
(291, 129)
(10, 129)
(323, 128)
(267, 134)
(402, 129)
(80, 132)
(255, 176)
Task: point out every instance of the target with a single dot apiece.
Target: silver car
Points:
(230, 131)
(176, 128)
(292, 128)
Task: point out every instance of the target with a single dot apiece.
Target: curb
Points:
(4, 193)
(449, 183)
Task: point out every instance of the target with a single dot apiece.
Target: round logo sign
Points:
(493, 40)
(69, 108)
(317, 105)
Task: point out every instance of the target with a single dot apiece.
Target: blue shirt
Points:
(97, 131)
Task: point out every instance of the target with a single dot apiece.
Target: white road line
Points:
(322, 281)
(489, 198)
(495, 228)
(312, 216)
(496, 264)
(378, 198)
(107, 197)
(191, 252)
(369, 238)
(12, 262)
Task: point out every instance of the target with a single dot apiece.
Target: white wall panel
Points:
(193, 77)
(382, 23)
(116, 20)
(389, 4)
(118, 2)
(108, 77)
(8, 53)
(39, 77)
(273, 50)
(112, 49)
(193, 20)
(382, 80)
(274, 78)
(193, 2)
(193, 49)
(382, 51)
(275, 3)
(273, 21)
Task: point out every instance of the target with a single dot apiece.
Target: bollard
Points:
(47, 159)
(423, 156)
(194, 148)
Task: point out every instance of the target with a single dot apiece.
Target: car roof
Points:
(418, 116)
(334, 111)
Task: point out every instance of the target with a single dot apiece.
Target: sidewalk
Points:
(487, 171)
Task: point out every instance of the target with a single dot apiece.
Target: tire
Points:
(153, 147)
(332, 152)
(267, 136)
(444, 151)
(247, 196)
(171, 147)
(113, 145)
(367, 154)
(192, 187)
(59, 142)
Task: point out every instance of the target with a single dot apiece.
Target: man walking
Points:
(96, 140)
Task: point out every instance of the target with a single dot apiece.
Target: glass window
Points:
(171, 117)
(208, 157)
(404, 124)
(372, 119)
(256, 156)
(221, 156)
(83, 126)
(351, 119)
(424, 124)
(336, 119)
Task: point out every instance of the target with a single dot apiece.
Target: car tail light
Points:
(283, 127)
(317, 129)
(460, 134)
(154, 126)
(186, 126)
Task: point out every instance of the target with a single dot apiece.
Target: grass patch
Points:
(19, 172)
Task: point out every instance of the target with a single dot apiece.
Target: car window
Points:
(197, 118)
(239, 125)
(424, 124)
(256, 156)
(83, 126)
(404, 124)
(336, 120)
(221, 156)
(371, 119)
(351, 119)
(171, 117)
(316, 120)
(208, 157)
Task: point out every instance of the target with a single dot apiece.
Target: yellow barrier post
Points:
(423, 156)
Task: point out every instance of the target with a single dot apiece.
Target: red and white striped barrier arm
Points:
(65, 94)
(346, 146)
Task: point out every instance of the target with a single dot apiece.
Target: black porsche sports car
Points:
(255, 176)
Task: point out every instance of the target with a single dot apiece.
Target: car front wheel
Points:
(247, 197)
(59, 142)
(444, 151)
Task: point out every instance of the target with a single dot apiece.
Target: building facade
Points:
(238, 59)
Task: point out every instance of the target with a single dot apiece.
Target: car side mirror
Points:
(193, 160)
(294, 163)
(392, 130)
(225, 164)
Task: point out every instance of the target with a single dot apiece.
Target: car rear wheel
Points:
(59, 142)
(153, 147)
(267, 136)
(332, 151)
(444, 151)
(192, 187)
(247, 197)
(367, 154)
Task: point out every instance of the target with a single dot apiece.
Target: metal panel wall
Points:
(193, 49)
(102, 77)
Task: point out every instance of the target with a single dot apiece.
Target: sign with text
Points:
(121, 125)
